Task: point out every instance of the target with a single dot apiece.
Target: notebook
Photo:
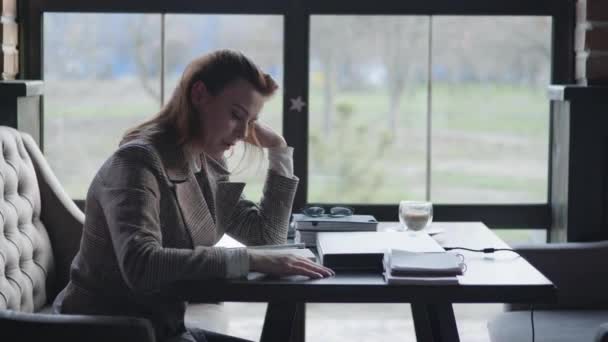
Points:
(327, 223)
(365, 250)
(406, 263)
(394, 280)
(409, 268)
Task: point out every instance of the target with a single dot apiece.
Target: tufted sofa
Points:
(40, 229)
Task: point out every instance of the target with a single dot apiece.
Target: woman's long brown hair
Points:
(216, 70)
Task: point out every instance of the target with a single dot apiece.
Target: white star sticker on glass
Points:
(297, 104)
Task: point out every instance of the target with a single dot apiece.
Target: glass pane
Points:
(259, 37)
(368, 96)
(101, 74)
(490, 113)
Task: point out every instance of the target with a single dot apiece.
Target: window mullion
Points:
(295, 122)
(429, 109)
(162, 59)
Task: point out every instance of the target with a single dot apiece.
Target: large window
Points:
(418, 107)
(490, 114)
(97, 84)
(368, 95)
(403, 100)
(104, 74)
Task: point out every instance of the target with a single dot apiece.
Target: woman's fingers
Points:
(286, 264)
(303, 263)
(266, 136)
(299, 270)
(317, 268)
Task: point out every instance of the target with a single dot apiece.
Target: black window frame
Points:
(296, 14)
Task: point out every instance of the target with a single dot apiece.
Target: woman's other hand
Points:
(266, 136)
(286, 264)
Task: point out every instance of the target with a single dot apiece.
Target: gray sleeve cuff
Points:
(280, 160)
(237, 262)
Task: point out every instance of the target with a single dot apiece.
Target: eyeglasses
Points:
(318, 211)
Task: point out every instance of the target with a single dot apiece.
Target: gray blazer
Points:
(150, 221)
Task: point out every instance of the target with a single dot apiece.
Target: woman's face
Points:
(226, 117)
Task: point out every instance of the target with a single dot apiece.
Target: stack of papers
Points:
(405, 267)
(306, 227)
(308, 238)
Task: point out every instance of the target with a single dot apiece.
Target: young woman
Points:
(163, 199)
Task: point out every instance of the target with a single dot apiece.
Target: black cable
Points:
(532, 320)
(492, 250)
(484, 250)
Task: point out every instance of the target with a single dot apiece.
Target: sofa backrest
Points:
(26, 256)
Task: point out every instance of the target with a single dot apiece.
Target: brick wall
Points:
(591, 42)
(9, 35)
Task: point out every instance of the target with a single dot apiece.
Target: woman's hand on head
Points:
(286, 264)
(266, 136)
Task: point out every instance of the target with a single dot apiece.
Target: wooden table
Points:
(501, 277)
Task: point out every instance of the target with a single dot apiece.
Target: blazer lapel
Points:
(193, 206)
(196, 213)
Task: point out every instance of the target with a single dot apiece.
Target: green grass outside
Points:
(499, 109)
(463, 112)
(471, 100)
(464, 180)
(111, 111)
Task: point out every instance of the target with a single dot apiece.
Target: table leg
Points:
(298, 334)
(284, 321)
(435, 322)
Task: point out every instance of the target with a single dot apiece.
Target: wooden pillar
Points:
(579, 149)
(579, 184)
(20, 106)
(591, 42)
(9, 36)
